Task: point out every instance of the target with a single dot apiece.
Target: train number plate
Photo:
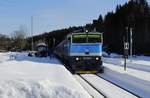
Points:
(87, 58)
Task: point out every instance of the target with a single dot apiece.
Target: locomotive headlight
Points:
(97, 58)
(77, 59)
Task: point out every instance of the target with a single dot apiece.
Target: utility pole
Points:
(131, 42)
(126, 48)
(127, 31)
(53, 42)
(32, 48)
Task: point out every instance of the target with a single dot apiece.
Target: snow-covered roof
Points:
(41, 44)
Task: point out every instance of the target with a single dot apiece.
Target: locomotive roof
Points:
(83, 33)
(41, 44)
(88, 33)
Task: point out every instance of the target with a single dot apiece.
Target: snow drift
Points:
(36, 89)
(31, 77)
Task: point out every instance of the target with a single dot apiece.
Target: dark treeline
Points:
(4, 42)
(133, 14)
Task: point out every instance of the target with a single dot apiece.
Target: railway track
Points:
(93, 91)
(119, 86)
(101, 85)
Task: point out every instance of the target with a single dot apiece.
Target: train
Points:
(82, 52)
(41, 50)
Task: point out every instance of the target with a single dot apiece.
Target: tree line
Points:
(15, 42)
(134, 14)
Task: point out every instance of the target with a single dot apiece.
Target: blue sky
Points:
(50, 15)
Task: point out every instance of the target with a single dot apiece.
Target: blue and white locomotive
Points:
(82, 52)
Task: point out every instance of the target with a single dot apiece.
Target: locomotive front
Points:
(86, 52)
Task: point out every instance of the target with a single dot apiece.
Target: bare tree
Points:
(19, 38)
(4, 42)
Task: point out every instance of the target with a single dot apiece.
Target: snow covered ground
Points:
(108, 89)
(88, 88)
(30, 77)
(136, 78)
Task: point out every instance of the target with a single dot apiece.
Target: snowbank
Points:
(31, 77)
(136, 78)
(138, 63)
(114, 55)
(36, 89)
(3, 57)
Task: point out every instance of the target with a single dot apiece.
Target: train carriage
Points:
(82, 51)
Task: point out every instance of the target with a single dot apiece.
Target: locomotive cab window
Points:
(79, 38)
(94, 38)
(87, 38)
